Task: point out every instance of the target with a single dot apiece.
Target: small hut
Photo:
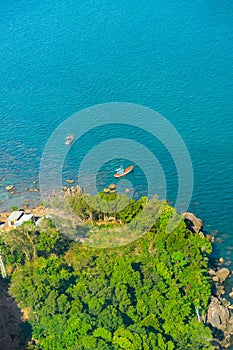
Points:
(14, 217)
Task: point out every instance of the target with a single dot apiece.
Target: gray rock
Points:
(33, 189)
(210, 238)
(112, 186)
(79, 189)
(212, 272)
(222, 274)
(218, 315)
(215, 278)
(193, 223)
(68, 192)
(221, 260)
(221, 290)
(225, 302)
(70, 181)
(10, 187)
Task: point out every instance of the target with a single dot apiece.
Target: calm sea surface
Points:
(176, 57)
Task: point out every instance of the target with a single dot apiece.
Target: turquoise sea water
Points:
(58, 57)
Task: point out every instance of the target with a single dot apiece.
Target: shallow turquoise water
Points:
(58, 57)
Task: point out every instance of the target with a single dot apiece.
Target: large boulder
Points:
(112, 188)
(68, 192)
(9, 188)
(79, 189)
(193, 223)
(222, 274)
(218, 315)
(70, 181)
(73, 189)
(33, 189)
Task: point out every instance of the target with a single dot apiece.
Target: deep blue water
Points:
(176, 57)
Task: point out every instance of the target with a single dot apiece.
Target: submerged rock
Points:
(33, 190)
(221, 260)
(70, 181)
(231, 293)
(9, 188)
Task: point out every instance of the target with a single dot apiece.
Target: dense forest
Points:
(147, 294)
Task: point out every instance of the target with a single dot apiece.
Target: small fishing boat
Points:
(69, 139)
(122, 172)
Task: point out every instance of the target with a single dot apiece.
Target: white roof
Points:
(24, 218)
(15, 215)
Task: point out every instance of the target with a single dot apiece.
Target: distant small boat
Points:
(69, 139)
(122, 172)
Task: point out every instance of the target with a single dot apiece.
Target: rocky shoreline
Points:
(219, 316)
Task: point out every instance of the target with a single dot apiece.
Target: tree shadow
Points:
(14, 333)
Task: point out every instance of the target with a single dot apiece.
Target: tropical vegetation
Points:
(143, 295)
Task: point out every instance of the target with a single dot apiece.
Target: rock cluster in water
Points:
(73, 190)
(110, 189)
(219, 316)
